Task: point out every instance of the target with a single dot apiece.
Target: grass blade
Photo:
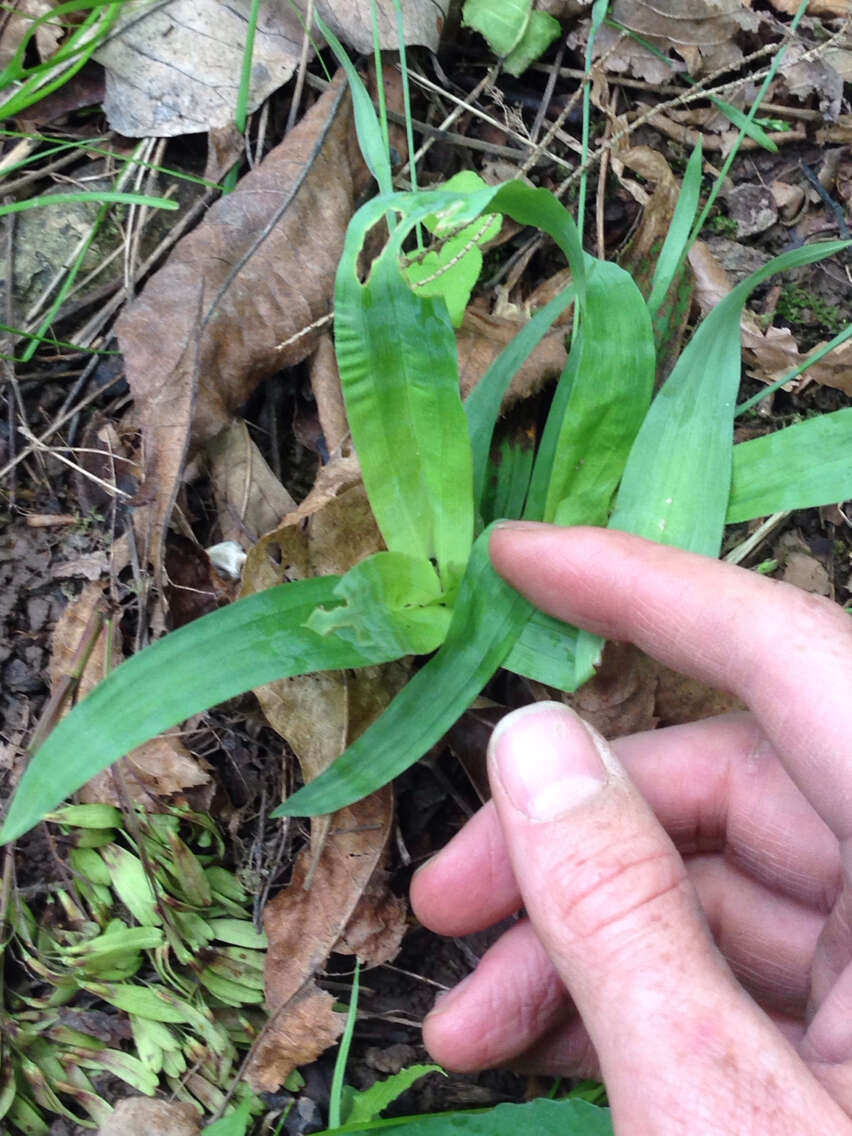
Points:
(677, 481)
(252, 641)
(101, 196)
(800, 467)
(482, 406)
(370, 139)
(677, 237)
(488, 617)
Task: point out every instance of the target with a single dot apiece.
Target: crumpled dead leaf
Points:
(700, 31)
(482, 337)
(258, 271)
(250, 500)
(352, 21)
(143, 1116)
(161, 767)
(175, 69)
(771, 354)
(17, 23)
(304, 926)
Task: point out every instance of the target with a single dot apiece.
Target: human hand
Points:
(687, 890)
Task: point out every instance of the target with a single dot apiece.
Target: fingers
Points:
(512, 999)
(713, 785)
(786, 653)
(612, 906)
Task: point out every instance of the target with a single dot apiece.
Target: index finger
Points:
(786, 653)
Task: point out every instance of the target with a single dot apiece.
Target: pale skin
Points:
(688, 891)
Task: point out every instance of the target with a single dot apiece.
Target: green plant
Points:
(670, 467)
(30, 84)
(153, 925)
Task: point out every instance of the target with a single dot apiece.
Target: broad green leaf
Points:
(501, 23)
(451, 270)
(609, 396)
(487, 619)
(372, 1102)
(367, 126)
(240, 647)
(390, 603)
(544, 651)
(677, 481)
(482, 406)
(797, 468)
(539, 34)
(678, 234)
(541, 1117)
(399, 370)
(750, 128)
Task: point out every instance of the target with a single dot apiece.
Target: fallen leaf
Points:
(621, 54)
(19, 21)
(305, 1026)
(619, 698)
(303, 926)
(482, 337)
(807, 573)
(753, 208)
(159, 768)
(143, 1116)
(680, 699)
(804, 75)
(325, 383)
(815, 7)
(771, 354)
(176, 68)
(250, 500)
(352, 20)
(700, 31)
(259, 270)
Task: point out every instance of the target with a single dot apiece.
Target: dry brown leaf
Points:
(685, 23)
(298, 1034)
(680, 699)
(815, 7)
(19, 20)
(142, 1116)
(250, 500)
(159, 768)
(771, 354)
(258, 270)
(352, 21)
(375, 931)
(303, 927)
(482, 337)
(325, 383)
(619, 698)
(175, 69)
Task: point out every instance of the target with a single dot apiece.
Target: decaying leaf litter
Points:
(234, 410)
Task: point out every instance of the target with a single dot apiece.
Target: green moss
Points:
(800, 306)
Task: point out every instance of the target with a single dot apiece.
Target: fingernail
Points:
(447, 997)
(547, 760)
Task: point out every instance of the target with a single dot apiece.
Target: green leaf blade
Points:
(250, 642)
(487, 619)
(800, 467)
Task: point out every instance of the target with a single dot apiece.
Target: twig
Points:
(303, 67)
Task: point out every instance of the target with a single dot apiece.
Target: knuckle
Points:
(613, 896)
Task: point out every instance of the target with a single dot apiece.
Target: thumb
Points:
(611, 902)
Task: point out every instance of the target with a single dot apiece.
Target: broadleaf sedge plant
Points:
(664, 467)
